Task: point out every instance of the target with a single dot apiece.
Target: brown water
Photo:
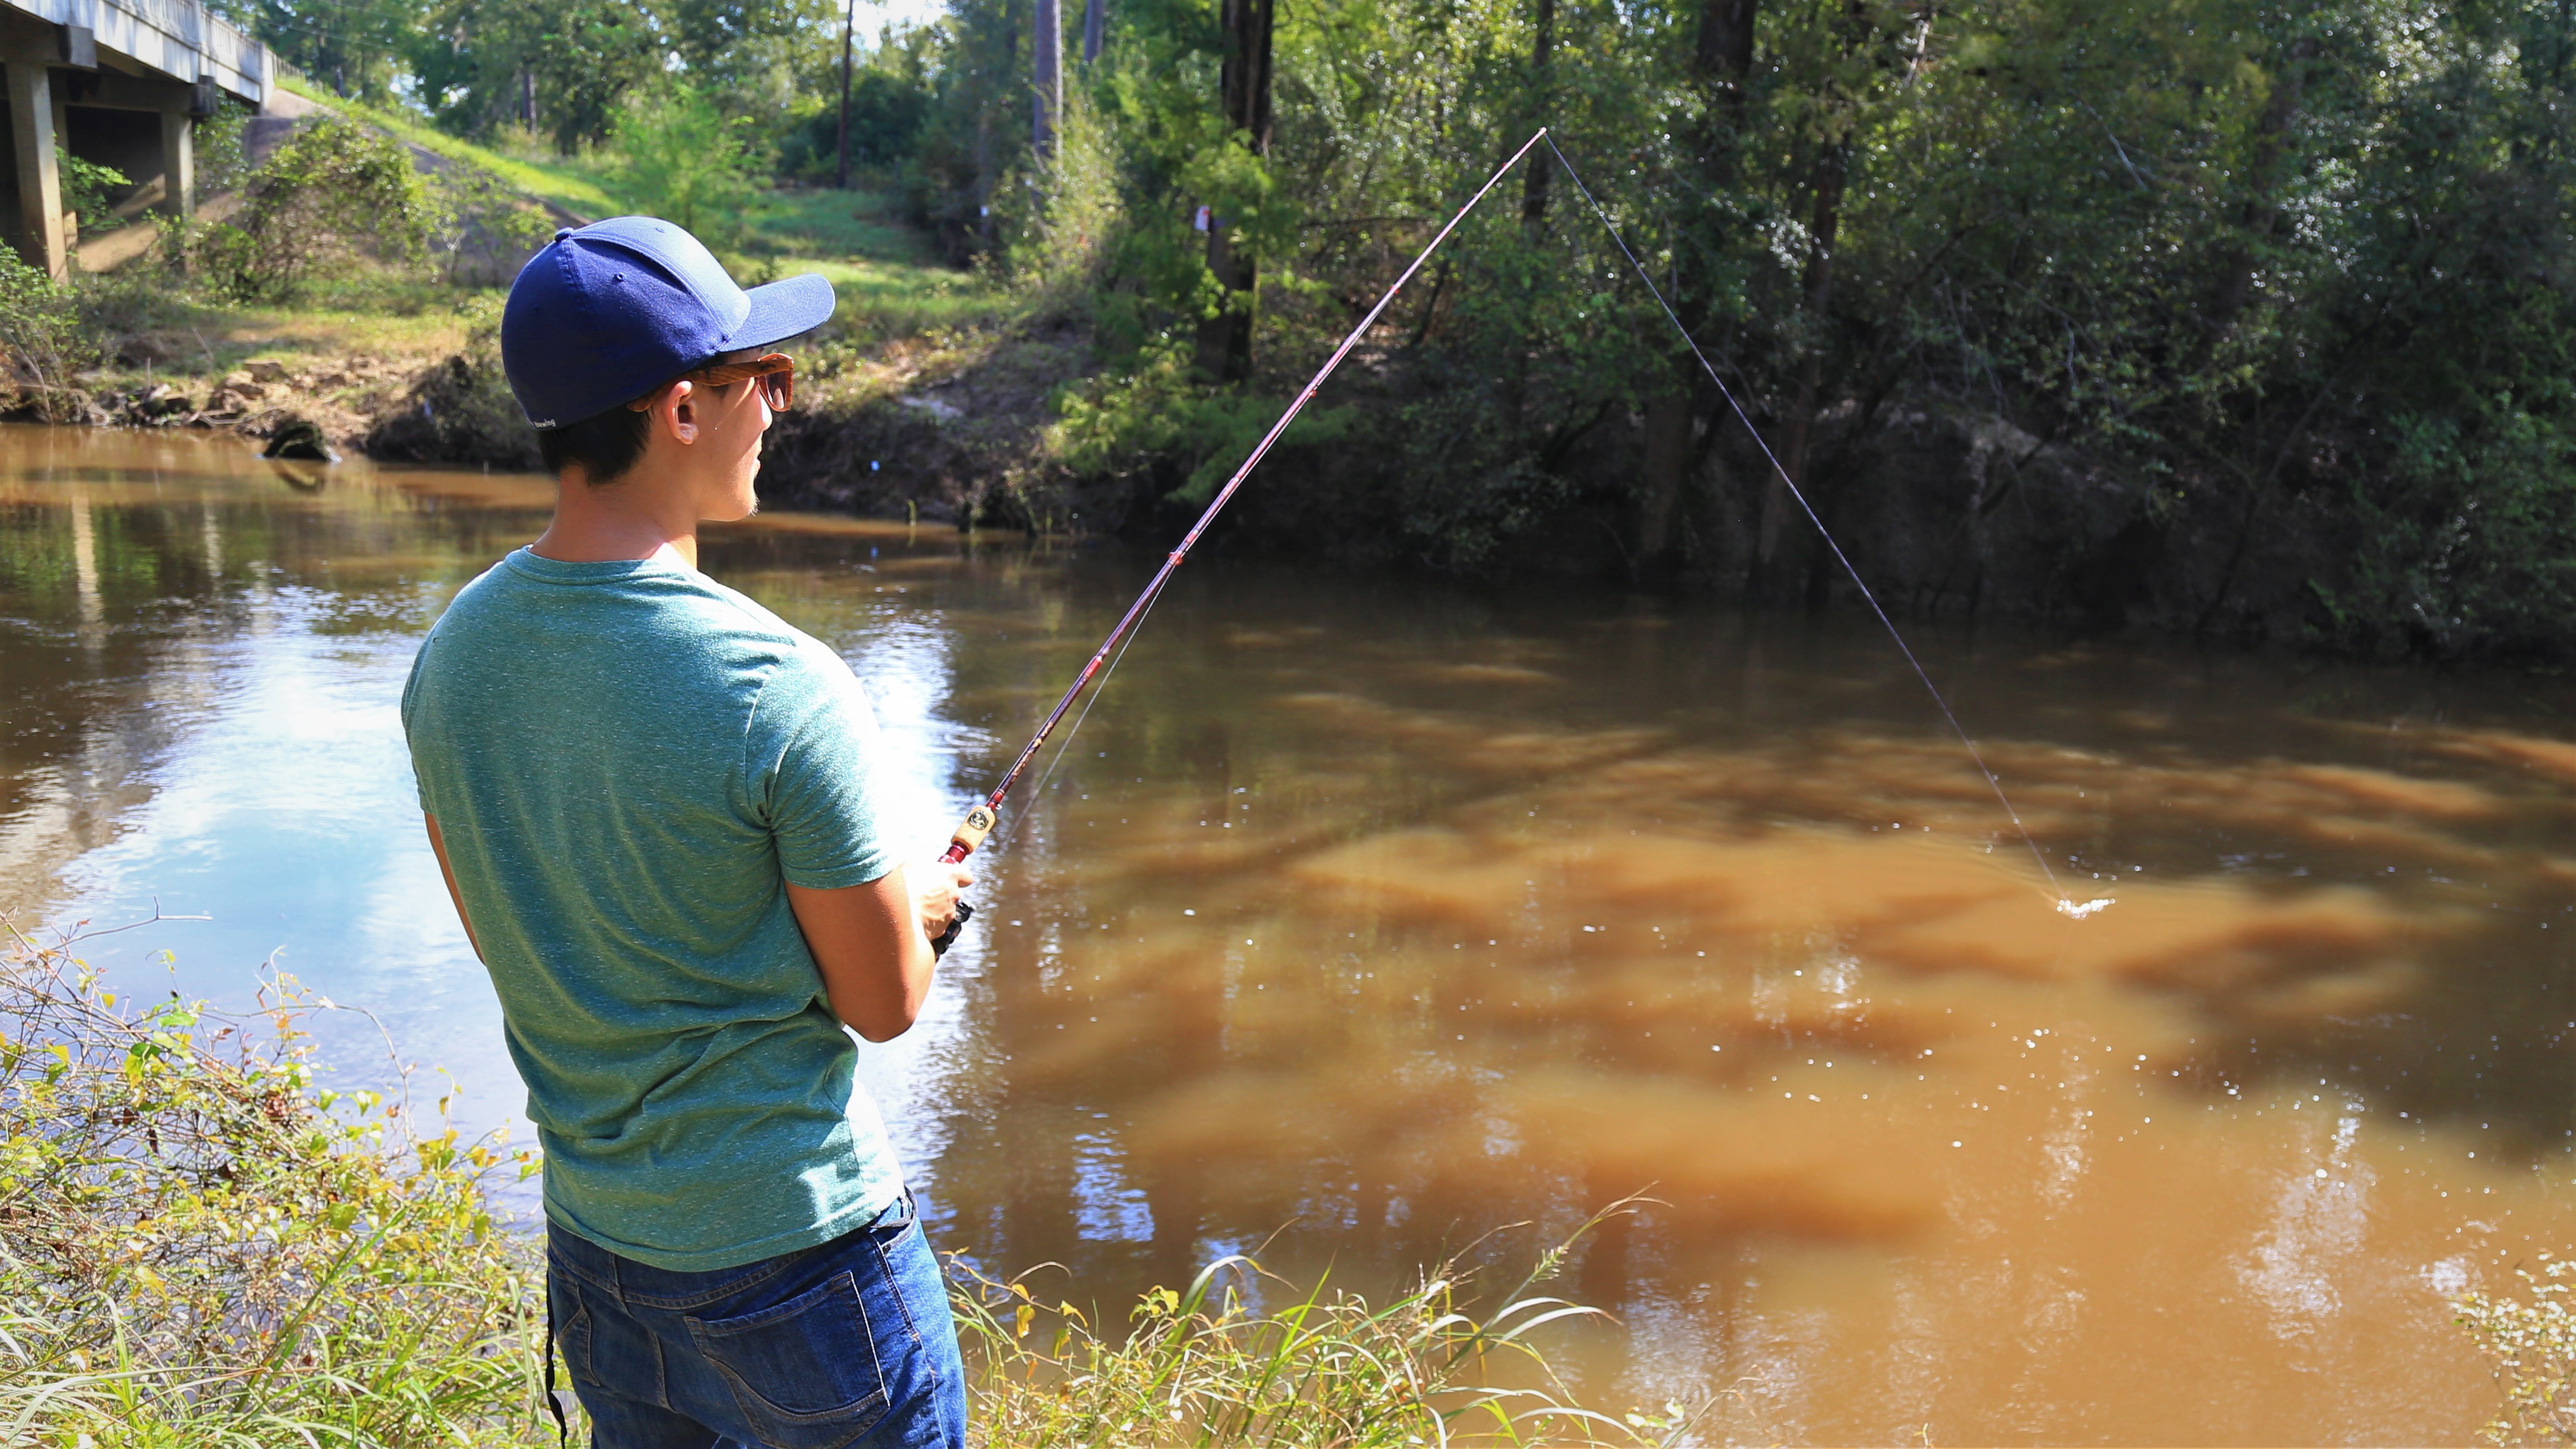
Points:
(1379, 915)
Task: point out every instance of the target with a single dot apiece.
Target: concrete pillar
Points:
(70, 224)
(32, 111)
(178, 164)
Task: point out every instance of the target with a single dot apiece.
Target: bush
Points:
(461, 411)
(46, 341)
(685, 163)
(199, 1246)
(221, 160)
(86, 189)
(334, 192)
(2530, 1345)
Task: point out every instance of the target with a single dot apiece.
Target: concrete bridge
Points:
(121, 83)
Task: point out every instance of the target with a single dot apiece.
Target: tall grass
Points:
(1206, 1366)
(201, 1246)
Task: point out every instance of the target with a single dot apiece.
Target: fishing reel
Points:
(970, 833)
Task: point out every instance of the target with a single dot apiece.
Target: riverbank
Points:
(1009, 397)
(204, 1244)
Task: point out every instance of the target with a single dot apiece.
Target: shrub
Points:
(685, 163)
(461, 411)
(221, 161)
(87, 187)
(335, 191)
(2530, 1346)
(198, 1245)
(45, 340)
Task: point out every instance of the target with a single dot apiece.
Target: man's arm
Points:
(872, 943)
(447, 873)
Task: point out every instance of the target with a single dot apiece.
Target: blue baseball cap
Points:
(610, 311)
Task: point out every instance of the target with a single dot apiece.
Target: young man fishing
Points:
(659, 812)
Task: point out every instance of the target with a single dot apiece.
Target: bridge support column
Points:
(39, 220)
(178, 165)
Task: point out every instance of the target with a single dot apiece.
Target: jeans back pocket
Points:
(804, 1372)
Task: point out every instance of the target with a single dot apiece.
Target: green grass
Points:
(205, 1248)
(891, 282)
(572, 184)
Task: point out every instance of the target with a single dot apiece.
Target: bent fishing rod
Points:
(980, 820)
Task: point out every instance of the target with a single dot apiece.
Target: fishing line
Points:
(2064, 903)
(1066, 747)
(979, 822)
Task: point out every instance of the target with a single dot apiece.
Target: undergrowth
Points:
(2530, 1346)
(201, 1245)
(1206, 1366)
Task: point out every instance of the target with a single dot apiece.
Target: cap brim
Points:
(784, 309)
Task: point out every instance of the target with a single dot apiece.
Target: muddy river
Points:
(1366, 917)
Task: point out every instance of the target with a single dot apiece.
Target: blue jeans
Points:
(846, 1343)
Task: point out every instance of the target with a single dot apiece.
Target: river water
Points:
(1367, 917)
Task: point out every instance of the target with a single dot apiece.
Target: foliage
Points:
(87, 187)
(335, 190)
(46, 341)
(1205, 1365)
(355, 47)
(2530, 1345)
(202, 1246)
(685, 162)
(220, 160)
(462, 410)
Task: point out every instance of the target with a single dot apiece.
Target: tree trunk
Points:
(1541, 94)
(1543, 101)
(1667, 461)
(1047, 67)
(849, 24)
(1225, 340)
(1822, 225)
(1721, 64)
(1095, 28)
(2262, 173)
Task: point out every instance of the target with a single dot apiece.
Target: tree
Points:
(1225, 336)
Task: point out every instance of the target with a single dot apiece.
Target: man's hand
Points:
(935, 888)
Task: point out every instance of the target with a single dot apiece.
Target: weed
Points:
(198, 1245)
(1205, 1366)
(2530, 1345)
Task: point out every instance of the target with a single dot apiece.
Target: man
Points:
(658, 810)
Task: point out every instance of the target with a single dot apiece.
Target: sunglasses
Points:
(775, 372)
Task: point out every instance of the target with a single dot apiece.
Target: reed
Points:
(201, 1246)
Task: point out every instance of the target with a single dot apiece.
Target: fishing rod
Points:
(980, 820)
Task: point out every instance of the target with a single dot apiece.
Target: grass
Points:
(891, 282)
(1202, 1366)
(201, 1246)
(571, 184)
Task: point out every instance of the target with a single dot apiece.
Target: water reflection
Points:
(1378, 916)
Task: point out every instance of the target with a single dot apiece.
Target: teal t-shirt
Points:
(627, 761)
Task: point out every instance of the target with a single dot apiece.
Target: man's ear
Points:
(675, 412)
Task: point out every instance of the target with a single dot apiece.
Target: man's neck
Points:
(627, 519)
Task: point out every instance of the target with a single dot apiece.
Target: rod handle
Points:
(970, 833)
